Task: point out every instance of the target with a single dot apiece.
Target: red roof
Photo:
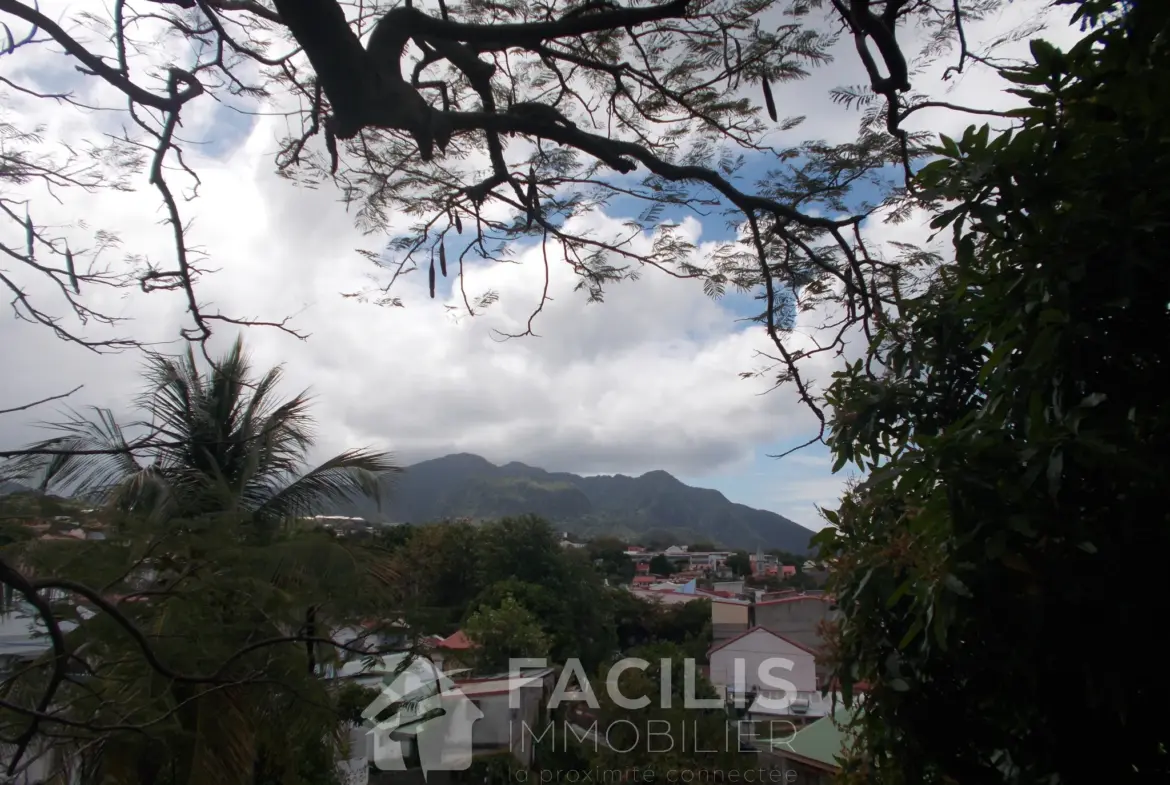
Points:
(457, 640)
(730, 641)
(644, 579)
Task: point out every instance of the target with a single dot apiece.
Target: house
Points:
(512, 711)
(797, 617)
(453, 652)
(733, 587)
(787, 570)
(644, 580)
(770, 717)
(22, 640)
(730, 618)
(567, 543)
(668, 595)
(740, 666)
(813, 752)
(503, 713)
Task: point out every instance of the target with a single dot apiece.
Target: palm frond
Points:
(351, 474)
(93, 455)
(224, 444)
(225, 740)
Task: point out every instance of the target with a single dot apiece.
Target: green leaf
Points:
(1092, 400)
(1055, 470)
(899, 685)
(956, 585)
(911, 634)
(898, 594)
(1047, 57)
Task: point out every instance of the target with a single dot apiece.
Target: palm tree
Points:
(212, 443)
(212, 453)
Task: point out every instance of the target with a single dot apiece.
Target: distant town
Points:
(728, 610)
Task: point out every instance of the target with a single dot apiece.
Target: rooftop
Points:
(457, 640)
(823, 741)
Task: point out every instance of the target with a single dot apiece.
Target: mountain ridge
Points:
(653, 505)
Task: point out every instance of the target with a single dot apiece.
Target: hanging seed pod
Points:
(769, 101)
(443, 257)
(72, 271)
(532, 196)
(458, 224)
(432, 277)
(30, 236)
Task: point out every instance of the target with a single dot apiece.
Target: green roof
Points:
(824, 740)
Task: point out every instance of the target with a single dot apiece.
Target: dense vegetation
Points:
(1010, 411)
(459, 573)
(185, 647)
(999, 571)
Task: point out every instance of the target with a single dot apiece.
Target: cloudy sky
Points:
(647, 380)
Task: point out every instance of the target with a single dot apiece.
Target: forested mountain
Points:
(654, 505)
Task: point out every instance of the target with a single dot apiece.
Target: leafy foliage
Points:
(609, 555)
(640, 622)
(665, 735)
(661, 565)
(199, 656)
(740, 563)
(218, 442)
(999, 569)
(503, 632)
(200, 661)
(449, 570)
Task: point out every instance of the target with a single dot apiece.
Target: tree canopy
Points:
(998, 570)
(661, 565)
(502, 632)
(485, 124)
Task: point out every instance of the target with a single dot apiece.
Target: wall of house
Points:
(754, 649)
(492, 729)
(531, 702)
(735, 587)
(795, 619)
(502, 726)
(728, 619)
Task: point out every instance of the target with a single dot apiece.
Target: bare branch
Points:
(42, 400)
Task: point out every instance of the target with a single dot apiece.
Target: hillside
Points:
(466, 485)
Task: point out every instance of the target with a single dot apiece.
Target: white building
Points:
(753, 663)
(22, 640)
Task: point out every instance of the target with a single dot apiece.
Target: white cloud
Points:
(648, 379)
